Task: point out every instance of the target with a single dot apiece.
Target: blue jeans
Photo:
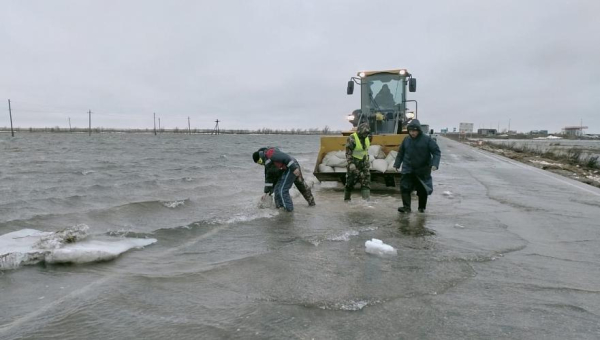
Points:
(282, 191)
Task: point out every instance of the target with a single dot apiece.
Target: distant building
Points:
(539, 132)
(465, 128)
(573, 130)
(487, 131)
(444, 130)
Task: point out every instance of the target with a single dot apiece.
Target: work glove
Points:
(352, 167)
(433, 168)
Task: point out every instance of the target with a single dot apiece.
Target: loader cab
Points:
(383, 100)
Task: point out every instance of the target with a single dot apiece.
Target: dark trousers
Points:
(409, 183)
(304, 189)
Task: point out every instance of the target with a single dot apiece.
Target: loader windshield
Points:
(382, 97)
(383, 92)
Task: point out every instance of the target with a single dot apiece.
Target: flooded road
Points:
(504, 251)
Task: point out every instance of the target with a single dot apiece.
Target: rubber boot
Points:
(366, 193)
(347, 194)
(422, 203)
(405, 208)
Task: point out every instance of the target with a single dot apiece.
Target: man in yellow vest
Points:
(357, 170)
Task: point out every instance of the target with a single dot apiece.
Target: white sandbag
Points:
(380, 165)
(325, 168)
(266, 202)
(339, 169)
(333, 154)
(335, 158)
(336, 162)
(326, 158)
(391, 157)
(375, 150)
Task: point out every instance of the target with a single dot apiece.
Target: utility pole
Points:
(216, 129)
(509, 125)
(155, 123)
(70, 124)
(90, 128)
(189, 128)
(12, 132)
(158, 124)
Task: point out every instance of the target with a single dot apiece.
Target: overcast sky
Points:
(285, 64)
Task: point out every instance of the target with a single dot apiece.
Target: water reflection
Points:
(413, 224)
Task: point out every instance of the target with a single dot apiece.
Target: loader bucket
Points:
(338, 143)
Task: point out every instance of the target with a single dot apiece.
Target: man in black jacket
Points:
(281, 171)
(419, 156)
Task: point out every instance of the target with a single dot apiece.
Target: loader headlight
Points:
(362, 74)
(410, 115)
(350, 117)
(402, 72)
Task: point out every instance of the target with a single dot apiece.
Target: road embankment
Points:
(573, 162)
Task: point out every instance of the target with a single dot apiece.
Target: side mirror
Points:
(350, 89)
(412, 85)
(431, 132)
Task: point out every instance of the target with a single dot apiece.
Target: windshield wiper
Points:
(374, 102)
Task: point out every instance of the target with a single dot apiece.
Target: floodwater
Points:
(504, 251)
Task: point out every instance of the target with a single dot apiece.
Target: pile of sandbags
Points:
(335, 161)
(380, 161)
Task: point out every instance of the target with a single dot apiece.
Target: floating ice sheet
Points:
(30, 246)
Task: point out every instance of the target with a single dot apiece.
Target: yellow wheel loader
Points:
(384, 108)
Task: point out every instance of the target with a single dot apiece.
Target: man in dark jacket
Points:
(281, 171)
(419, 156)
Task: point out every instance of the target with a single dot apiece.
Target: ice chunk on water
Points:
(30, 246)
(377, 247)
(173, 204)
(17, 248)
(96, 250)
(58, 239)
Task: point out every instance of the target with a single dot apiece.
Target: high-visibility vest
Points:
(360, 152)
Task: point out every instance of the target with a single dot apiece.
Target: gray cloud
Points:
(284, 64)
